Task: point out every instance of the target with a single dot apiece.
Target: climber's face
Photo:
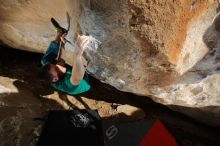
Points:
(53, 73)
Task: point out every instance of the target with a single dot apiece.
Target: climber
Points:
(64, 78)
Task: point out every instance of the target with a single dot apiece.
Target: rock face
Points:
(168, 50)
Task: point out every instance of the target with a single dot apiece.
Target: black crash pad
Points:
(72, 128)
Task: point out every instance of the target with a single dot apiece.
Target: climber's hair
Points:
(43, 73)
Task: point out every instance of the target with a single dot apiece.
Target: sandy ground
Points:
(24, 99)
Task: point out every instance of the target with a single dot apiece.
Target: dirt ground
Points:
(27, 99)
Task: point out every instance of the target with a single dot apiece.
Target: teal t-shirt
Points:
(66, 86)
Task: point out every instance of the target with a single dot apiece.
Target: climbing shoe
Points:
(57, 27)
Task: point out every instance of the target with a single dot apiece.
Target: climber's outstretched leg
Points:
(60, 30)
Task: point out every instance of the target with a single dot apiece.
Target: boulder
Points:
(167, 50)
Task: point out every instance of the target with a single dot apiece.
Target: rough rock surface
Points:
(163, 48)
